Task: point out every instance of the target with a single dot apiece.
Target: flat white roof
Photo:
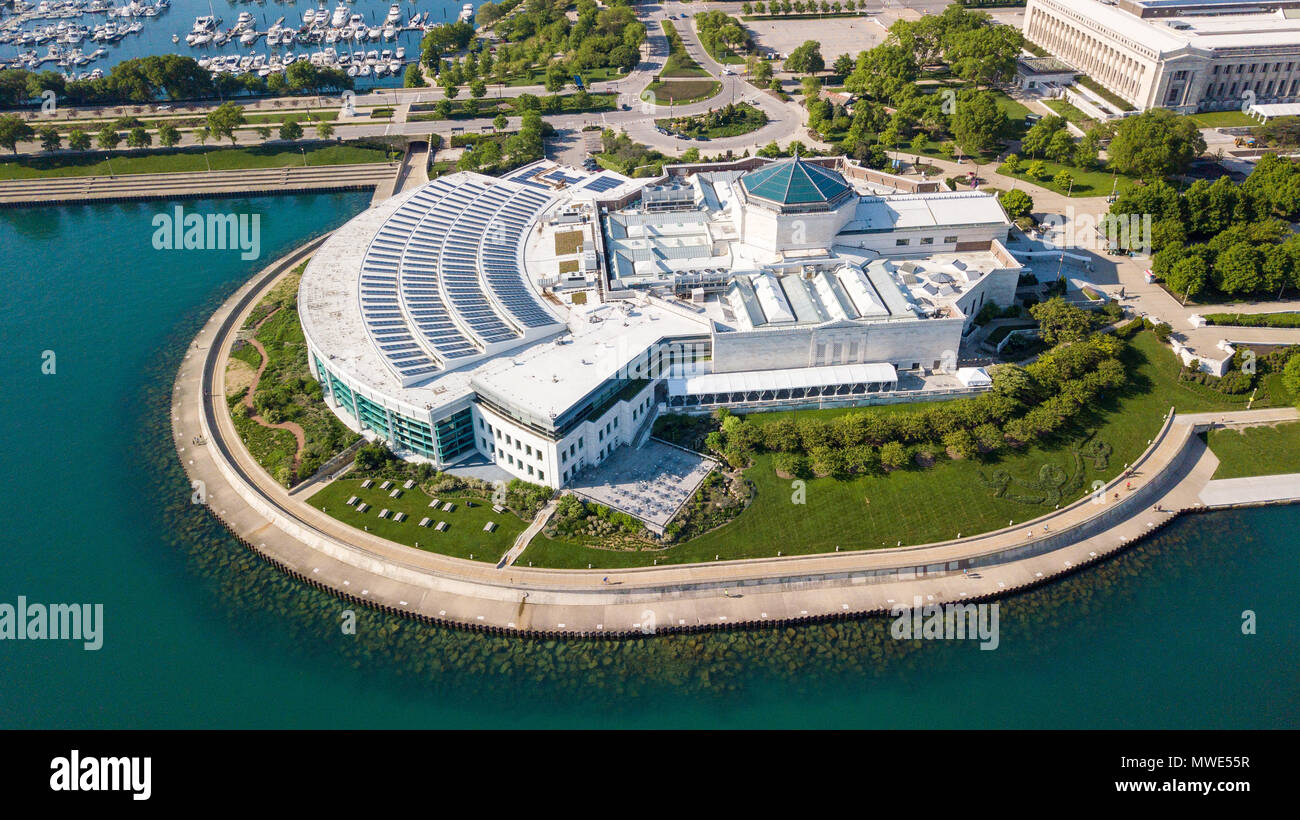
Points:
(548, 378)
(890, 213)
(790, 379)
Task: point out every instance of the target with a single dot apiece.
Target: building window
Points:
(927, 240)
(530, 469)
(529, 449)
(950, 240)
(601, 434)
(541, 476)
(902, 242)
(564, 457)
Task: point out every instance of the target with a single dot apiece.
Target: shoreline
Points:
(762, 592)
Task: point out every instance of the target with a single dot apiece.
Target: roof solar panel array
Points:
(441, 279)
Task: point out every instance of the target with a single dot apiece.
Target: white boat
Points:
(381, 69)
(374, 33)
(340, 15)
(395, 66)
(372, 57)
(400, 53)
(308, 17)
(248, 38)
(360, 35)
(244, 20)
(352, 71)
(394, 14)
(467, 12)
(220, 38)
(390, 32)
(332, 36)
(364, 71)
(205, 23)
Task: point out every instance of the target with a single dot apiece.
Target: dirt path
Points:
(297, 430)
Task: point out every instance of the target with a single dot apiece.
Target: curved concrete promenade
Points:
(362, 568)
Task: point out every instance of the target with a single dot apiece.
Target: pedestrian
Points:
(605, 580)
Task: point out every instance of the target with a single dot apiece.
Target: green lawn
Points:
(163, 161)
(1222, 119)
(680, 92)
(917, 506)
(745, 119)
(1086, 183)
(463, 538)
(286, 392)
(1256, 450)
(1071, 113)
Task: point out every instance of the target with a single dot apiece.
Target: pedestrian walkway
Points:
(58, 190)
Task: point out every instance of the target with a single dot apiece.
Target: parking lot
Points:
(837, 36)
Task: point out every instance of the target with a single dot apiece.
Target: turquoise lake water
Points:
(94, 508)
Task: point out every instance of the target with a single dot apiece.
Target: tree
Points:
(499, 122)
(1291, 375)
(50, 138)
(108, 138)
(761, 71)
(1036, 140)
(1016, 203)
(1189, 276)
(138, 137)
(893, 455)
(442, 109)
(1011, 164)
(1037, 169)
(812, 89)
(168, 135)
(1238, 269)
(1155, 144)
(983, 55)
(1060, 148)
(806, 58)
(882, 72)
(290, 130)
(477, 89)
(917, 145)
(1061, 321)
(1063, 180)
(78, 140)
(324, 129)
(843, 66)
(977, 121)
(414, 77)
(225, 120)
(13, 130)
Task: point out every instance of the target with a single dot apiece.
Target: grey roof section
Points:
(807, 307)
(882, 279)
(744, 293)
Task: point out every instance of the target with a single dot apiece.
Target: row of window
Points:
(926, 240)
(1244, 68)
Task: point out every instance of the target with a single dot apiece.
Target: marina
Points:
(369, 40)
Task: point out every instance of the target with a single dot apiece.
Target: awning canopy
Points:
(790, 379)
